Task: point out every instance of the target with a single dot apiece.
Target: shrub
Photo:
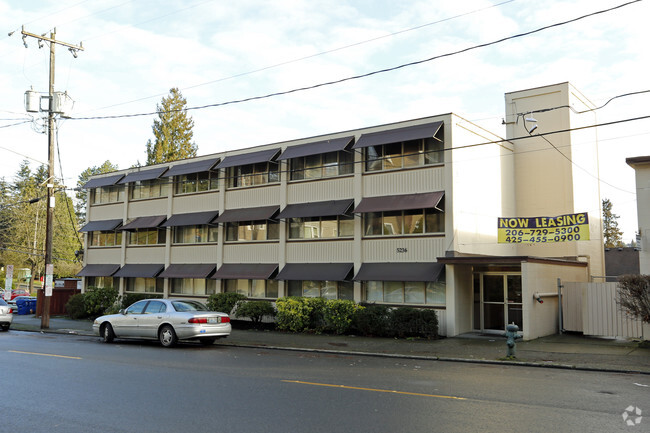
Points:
(224, 302)
(293, 314)
(316, 312)
(413, 322)
(76, 307)
(372, 320)
(633, 296)
(254, 310)
(338, 315)
(99, 299)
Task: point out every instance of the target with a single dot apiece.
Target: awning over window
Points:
(397, 135)
(103, 270)
(316, 271)
(248, 158)
(135, 176)
(148, 222)
(103, 181)
(307, 149)
(245, 271)
(316, 209)
(101, 226)
(191, 219)
(248, 214)
(400, 202)
(191, 167)
(399, 272)
(144, 270)
(193, 270)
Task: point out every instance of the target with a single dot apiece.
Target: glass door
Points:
(497, 301)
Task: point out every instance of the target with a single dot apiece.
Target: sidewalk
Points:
(557, 351)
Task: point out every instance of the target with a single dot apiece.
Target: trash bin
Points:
(31, 305)
(21, 304)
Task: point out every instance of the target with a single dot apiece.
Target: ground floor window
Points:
(405, 292)
(322, 289)
(253, 288)
(192, 286)
(144, 285)
(99, 282)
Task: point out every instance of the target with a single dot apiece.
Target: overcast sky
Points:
(217, 51)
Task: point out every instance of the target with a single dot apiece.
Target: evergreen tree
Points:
(612, 235)
(172, 131)
(82, 195)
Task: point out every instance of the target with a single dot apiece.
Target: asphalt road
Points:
(58, 383)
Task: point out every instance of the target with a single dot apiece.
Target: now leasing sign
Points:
(541, 230)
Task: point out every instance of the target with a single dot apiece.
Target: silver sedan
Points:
(165, 320)
(6, 315)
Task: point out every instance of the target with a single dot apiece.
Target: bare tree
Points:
(633, 296)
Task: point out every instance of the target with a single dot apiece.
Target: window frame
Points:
(300, 223)
(99, 238)
(192, 286)
(107, 194)
(131, 285)
(230, 231)
(322, 287)
(145, 233)
(209, 178)
(250, 175)
(430, 292)
(344, 165)
(385, 157)
(380, 224)
(248, 290)
(159, 186)
(211, 234)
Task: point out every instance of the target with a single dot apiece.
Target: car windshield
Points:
(2, 302)
(189, 306)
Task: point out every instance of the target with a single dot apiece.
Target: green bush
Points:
(99, 299)
(293, 314)
(316, 311)
(224, 302)
(76, 307)
(254, 310)
(131, 298)
(338, 315)
(372, 321)
(413, 322)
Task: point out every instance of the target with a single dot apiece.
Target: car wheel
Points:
(107, 333)
(5, 327)
(167, 336)
(207, 341)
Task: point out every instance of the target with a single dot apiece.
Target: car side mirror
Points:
(122, 311)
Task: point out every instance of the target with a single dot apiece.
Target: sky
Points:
(218, 51)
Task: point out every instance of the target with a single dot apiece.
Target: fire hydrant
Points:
(512, 335)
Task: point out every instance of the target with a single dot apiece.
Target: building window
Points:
(195, 234)
(323, 165)
(193, 286)
(404, 154)
(144, 285)
(407, 222)
(107, 194)
(245, 231)
(111, 238)
(253, 288)
(154, 236)
(253, 174)
(196, 182)
(321, 227)
(99, 282)
(406, 292)
(153, 188)
(322, 289)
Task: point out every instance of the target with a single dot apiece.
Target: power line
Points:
(369, 74)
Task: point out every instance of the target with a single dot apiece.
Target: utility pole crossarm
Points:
(52, 40)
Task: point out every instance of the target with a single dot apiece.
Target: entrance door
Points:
(497, 297)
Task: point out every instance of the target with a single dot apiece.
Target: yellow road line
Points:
(45, 354)
(375, 390)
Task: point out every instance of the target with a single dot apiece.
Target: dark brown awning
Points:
(399, 272)
(102, 270)
(397, 135)
(103, 181)
(425, 200)
(143, 175)
(316, 271)
(248, 214)
(101, 226)
(193, 270)
(334, 145)
(245, 271)
(140, 270)
(248, 158)
(191, 219)
(147, 222)
(191, 167)
(316, 209)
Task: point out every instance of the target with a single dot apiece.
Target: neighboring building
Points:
(401, 214)
(641, 166)
(621, 261)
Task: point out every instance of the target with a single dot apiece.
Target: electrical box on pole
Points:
(32, 101)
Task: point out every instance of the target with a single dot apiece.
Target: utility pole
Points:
(49, 267)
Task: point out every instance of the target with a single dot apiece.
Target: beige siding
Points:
(321, 190)
(104, 255)
(251, 253)
(193, 254)
(417, 250)
(203, 202)
(404, 182)
(148, 207)
(572, 306)
(145, 255)
(253, 197)
(106, 212)
(320, 252)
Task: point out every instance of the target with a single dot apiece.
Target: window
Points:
(323, 165)
(107, 194)
(406, 292)
(144, 285)
(99, 282)
(195, 234)
(193, 286)
(148, 189)
(155, 307)
(196, 182)
(322, 289)
(111, 238)
(154, 236)
(321, 227)
(408, 222)
(253, 174)
(404, 154)
(253, 288)
(245, 231)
